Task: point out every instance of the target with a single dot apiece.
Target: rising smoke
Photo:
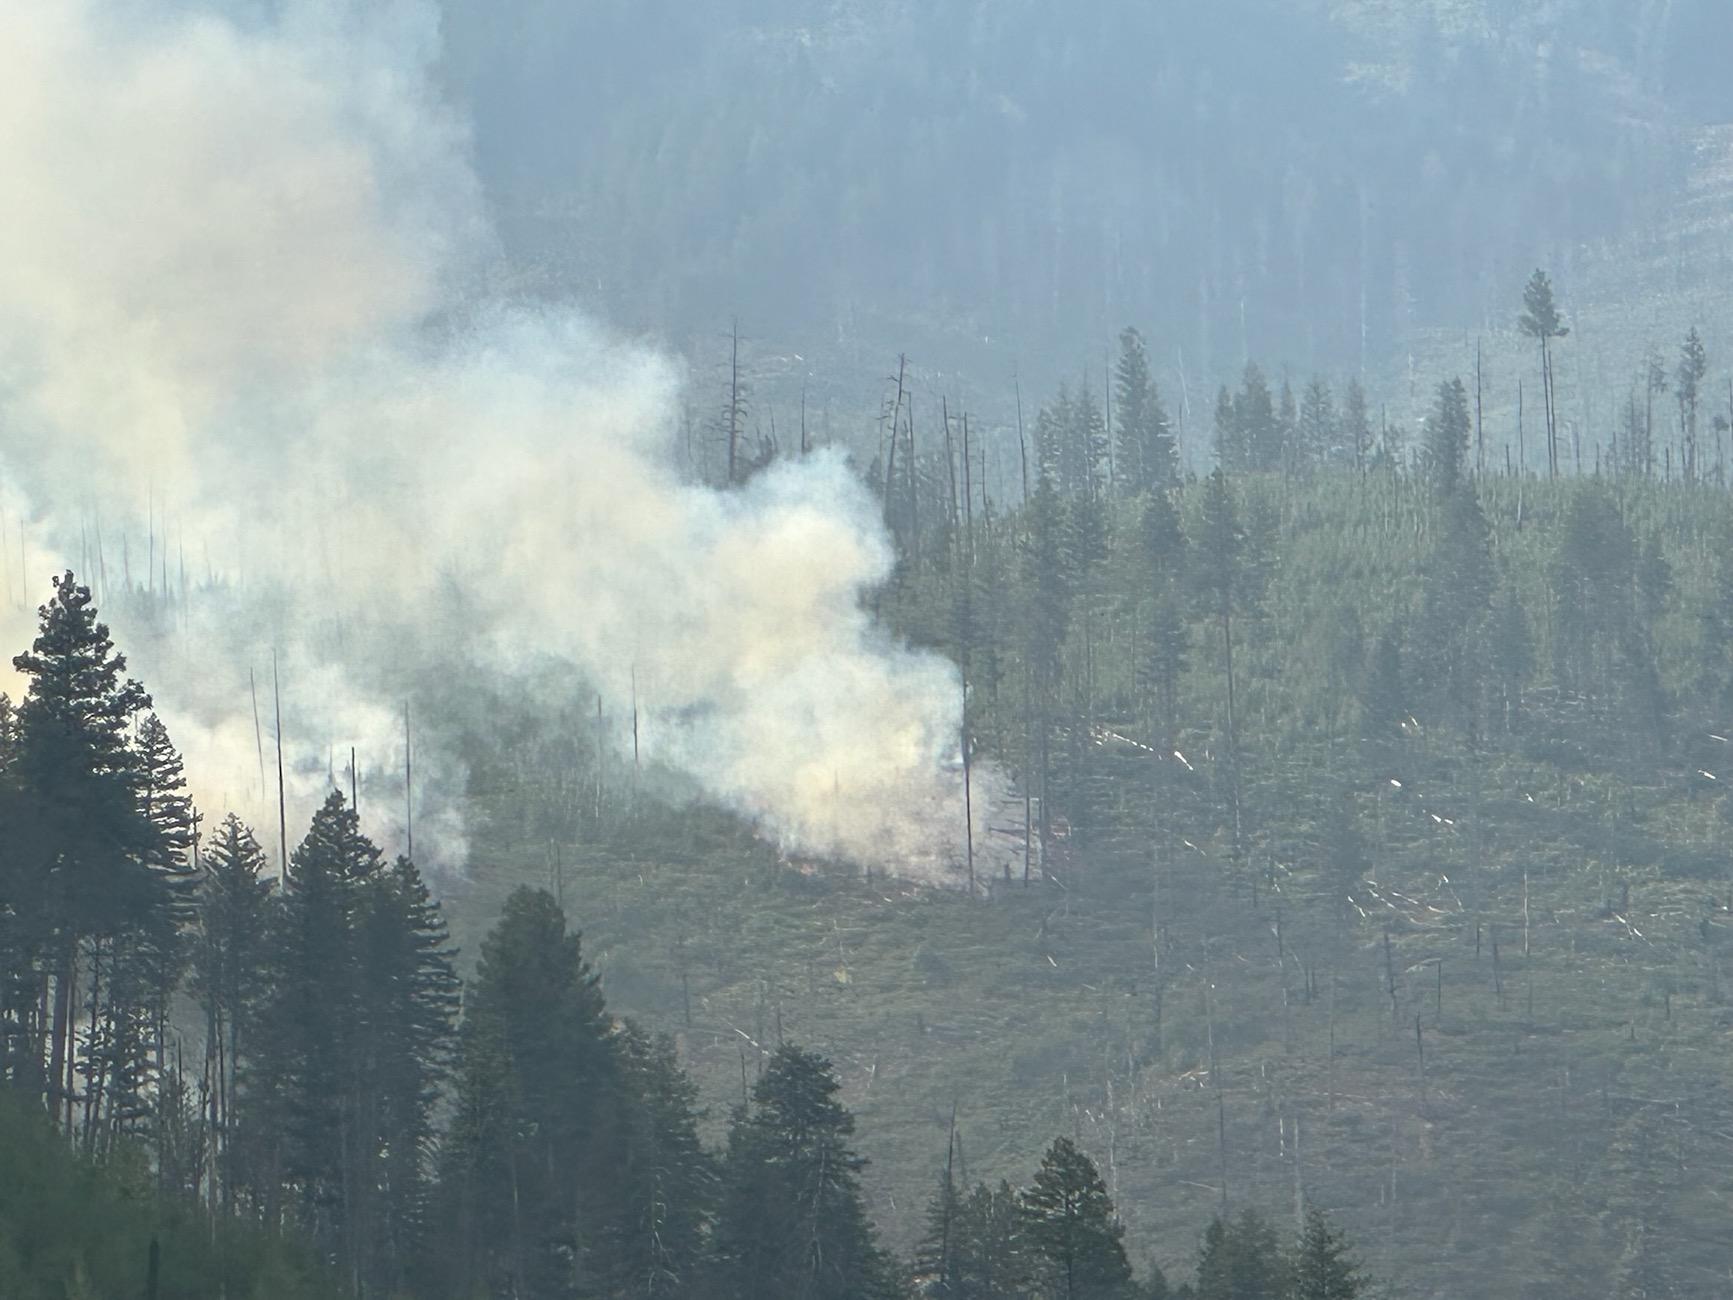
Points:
(249, 356)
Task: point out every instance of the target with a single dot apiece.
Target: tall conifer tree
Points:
(1072, 1238)
(793, 1222)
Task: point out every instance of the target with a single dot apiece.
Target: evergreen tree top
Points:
(1540, 317)
(1324, 1267)
(78, 691)
(334, 848)
(796, 1098)
(1693, 364)
(1071, 1229)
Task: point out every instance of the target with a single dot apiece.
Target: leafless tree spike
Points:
(968, 492)
(968, 797)
(1479, 435)
(282, 799)
(635, 733)
(1022, 442)
(734, 411)
(408, 789)
(950, 461)
(912, 473)
(896, 427)
(258, 734)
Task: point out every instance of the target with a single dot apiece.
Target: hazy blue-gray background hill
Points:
(1315, 182)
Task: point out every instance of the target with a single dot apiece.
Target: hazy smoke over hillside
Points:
(243, 314)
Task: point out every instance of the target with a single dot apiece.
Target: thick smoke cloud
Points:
(246, 336)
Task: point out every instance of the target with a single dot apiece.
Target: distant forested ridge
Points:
(1314, 181)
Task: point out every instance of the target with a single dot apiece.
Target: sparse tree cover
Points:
(306, 1155)
(1384, 711)
(1386, 650)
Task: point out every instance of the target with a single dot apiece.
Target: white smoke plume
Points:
(248, 355)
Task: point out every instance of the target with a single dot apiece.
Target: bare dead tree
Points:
(1022, 442)
(282, 800)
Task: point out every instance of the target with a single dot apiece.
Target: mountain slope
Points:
(1299, 181)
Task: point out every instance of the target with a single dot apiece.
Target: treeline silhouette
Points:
(223, 1079)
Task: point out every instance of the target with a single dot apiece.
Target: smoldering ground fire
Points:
(245, 309)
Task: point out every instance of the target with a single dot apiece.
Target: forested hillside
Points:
(886, 781)
(1373, 862)
(1311, 182)
(217, 1079)
(1381, 863)
(1357, 846)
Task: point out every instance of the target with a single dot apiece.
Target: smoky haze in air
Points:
(244, 277)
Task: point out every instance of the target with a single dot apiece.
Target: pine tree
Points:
(1634, 451)
(989, 1259)
(162, 788)
(8, 732)
(1447, 434)
(941, 1246)
(1241, 1260)
(1071, 441)
(1071, 1236)
(1542, 322)
(1162, 648)
(228, 978)
(1654, 377)
(1261, 554)
(1317, 425)
(1087, 543)
(1148, 459)
(155, 962)
(1258, 429)
(1289, 455)
(1230, 444)
(1054, 455)
(17, 985)
(77, 827)
(1323, 1267)
(1085, 539)
(1593, 576)
(1218, 570)
(1047, 582)
(1688, 383)
(309, 1111)
(1357, 425)
(1456, 596)
(1161, 667)
(1086, 463)
(793, 1222)
(667, 1184)
(1215, 1280)
(132, 977)
(406, 1014)
(1161, 539)
(538, 1124)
